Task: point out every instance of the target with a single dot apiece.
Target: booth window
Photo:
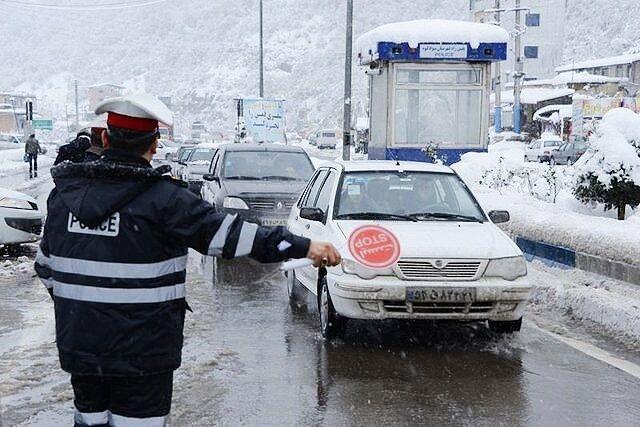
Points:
(441, 106)
(531, 52)
(532, 19)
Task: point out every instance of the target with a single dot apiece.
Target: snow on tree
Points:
(609, 173)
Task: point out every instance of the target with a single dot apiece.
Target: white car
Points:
(541, 150)
(20, 218)
(196, 165)
(326, 139)
(454, 262)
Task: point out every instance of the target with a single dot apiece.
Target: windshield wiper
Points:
(374, 215)
(445, 215)
(278, 177)
(243, 177)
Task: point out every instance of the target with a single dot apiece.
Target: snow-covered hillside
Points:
(203, 53)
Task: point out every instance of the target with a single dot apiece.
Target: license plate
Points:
(443, 294)
(273, 222)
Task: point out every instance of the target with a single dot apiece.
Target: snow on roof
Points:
(545, 113)
(389, 165)
(362, 123)
(601, 62)
(430, 31)
(107, 84)
(569, 77)
(534, 95)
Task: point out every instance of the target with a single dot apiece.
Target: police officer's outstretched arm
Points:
(194, 223)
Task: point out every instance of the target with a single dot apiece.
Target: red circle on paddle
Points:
(374, 246)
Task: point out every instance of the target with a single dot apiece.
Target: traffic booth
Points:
(429, 86)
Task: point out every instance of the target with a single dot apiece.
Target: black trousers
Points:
(104, 397)
(33, 162)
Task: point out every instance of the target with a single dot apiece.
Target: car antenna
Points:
(393, 156)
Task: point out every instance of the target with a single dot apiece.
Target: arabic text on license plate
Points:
(443, 294)
(272, 222)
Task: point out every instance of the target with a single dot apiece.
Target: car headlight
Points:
(508, 268)
(234, 203)
(8, 202)
(353, 267)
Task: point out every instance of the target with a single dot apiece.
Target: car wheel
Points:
(332, 325)
(505, 327)
(294, 290)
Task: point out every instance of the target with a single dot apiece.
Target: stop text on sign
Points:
(374, 246)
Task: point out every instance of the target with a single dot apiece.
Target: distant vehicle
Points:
(568, 153)
(469, 270)
(327, 139)
(541, 150)
(179, 160)
(259, 182)
(10, 139)
(165, 150)
(20, 218)
(196, 165)
(198, 130)
(313, 138)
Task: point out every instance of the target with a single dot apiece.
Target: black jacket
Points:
(113, 256)
(73, 151)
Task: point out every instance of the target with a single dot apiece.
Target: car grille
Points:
(32, 225)
(427, 269)
(270, 205)
(438, 307)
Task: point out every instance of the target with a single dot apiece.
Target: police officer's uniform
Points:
(113, 256)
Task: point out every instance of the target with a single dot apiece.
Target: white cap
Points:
(140, 105)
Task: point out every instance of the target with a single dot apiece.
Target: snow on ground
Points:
(12, 160)
(502, 180)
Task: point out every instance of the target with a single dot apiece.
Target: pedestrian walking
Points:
(31, 150)
(113, 256)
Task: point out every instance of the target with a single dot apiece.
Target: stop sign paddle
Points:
(374, 246)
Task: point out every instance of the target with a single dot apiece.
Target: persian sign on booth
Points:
(374, 246)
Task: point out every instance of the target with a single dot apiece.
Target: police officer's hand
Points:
(323, 253)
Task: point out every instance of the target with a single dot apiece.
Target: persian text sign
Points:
(374, 246)
(443, 51)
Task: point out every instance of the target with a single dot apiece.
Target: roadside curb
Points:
(562, 257)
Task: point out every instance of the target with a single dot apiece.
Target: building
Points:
(100, 92)
(623, 67)
(543, 37)
(13, 110)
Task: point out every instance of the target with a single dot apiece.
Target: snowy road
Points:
(249, 359)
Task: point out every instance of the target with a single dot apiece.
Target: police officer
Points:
(113, 256)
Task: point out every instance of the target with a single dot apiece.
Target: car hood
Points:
(5, 192)
(264, 187)
(443, 239)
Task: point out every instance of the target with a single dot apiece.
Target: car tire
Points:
(332, 325)
(295, 292)
(505, 326)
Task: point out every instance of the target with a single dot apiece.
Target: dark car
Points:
(568, 153)
(260, 182)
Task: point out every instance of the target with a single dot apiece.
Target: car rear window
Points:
(329, 134)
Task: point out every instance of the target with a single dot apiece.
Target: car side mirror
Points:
(210, 177)
(498, 217)
(312, 214)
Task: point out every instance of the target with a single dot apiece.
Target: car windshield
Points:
(395, 195)
(267, 165)
(201, 154)
(329, 134)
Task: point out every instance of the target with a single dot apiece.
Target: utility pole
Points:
(346, 123)
(497, 114)
(77, 112)
(518, 74)
(261, 55)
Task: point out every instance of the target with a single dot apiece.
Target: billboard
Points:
(264, 119)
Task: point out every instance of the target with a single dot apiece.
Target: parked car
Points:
(10, 139)
(454, 262)
(327, 139)
(568, 153)
(20, 218)
(178, 160)
(313, 138)
(541, 150)
(196, 165)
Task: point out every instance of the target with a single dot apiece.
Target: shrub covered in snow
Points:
(610, 172)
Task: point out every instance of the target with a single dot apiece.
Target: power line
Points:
(103, 6)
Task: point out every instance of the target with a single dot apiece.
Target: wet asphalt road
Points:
(279, 371)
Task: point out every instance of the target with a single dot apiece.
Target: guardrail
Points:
(558, 256)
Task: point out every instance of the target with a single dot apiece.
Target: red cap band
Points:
(138, 124)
